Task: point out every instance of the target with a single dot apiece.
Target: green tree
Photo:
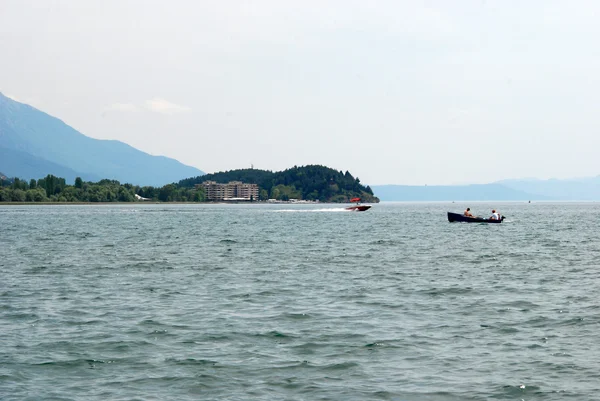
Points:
(29, 195)
(72, 194)
(19, 184)
(53, 185)
(18, 195)
(78, 183)
(199, 196)
(125, 195)
(166, 193)
(148, 192)
(39, 195)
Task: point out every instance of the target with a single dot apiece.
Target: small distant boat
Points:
(358, 207)
(452, 217)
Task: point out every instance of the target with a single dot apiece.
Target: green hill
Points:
(311, 182)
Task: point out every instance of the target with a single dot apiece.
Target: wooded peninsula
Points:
(312, 183)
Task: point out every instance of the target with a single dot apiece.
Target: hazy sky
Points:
(396, 92)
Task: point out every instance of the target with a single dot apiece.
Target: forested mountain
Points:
(33, 144)
(312, 182)
(251, 176)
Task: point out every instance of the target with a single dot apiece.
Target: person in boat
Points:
(468, 213)
(495, 215)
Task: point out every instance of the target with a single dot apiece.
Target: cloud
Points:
(124, 107)
(159, 105)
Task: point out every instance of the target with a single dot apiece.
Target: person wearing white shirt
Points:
(495, 216)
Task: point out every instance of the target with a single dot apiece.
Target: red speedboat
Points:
(358, 207)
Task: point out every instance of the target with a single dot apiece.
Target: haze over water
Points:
(264, 302)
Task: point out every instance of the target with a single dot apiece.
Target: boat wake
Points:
(325, 210)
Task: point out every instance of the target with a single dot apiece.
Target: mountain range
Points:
(34, 144)
(583, 189)
(479, 192)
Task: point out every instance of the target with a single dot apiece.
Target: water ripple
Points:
(240, 302)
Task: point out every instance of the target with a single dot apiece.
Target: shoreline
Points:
(284, 203)
(166, 203)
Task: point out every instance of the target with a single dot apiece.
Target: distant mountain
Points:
(572, 189)
(479, 192)
(33, 143)
(24, 165)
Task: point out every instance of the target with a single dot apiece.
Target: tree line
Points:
(55, 189)
(312, 182)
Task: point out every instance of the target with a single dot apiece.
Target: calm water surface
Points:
(280, 302)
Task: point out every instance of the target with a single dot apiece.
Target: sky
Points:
(396, 92)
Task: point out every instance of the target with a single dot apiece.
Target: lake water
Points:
(280, 302)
